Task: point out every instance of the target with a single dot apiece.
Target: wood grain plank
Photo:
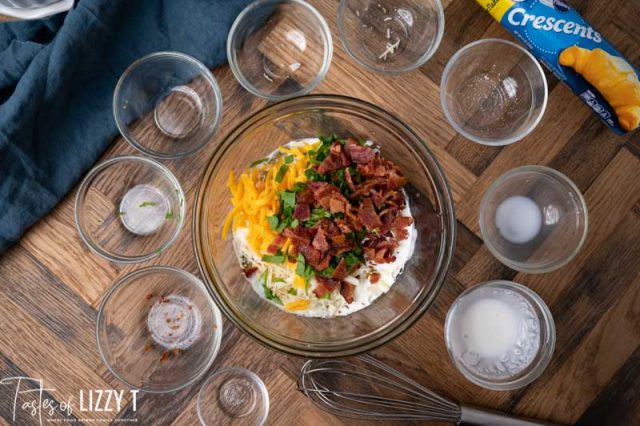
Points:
(585, 374)
(43, 356)
(483, 266)
(55, 235)
(618, 402)
(56, 307)
(467, 245)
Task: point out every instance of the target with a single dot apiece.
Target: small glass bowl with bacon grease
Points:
(158, 330)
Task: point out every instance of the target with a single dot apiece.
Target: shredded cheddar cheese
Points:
(255, 195)
(298, 305)
(298, 282)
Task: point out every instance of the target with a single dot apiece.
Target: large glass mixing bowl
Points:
(431, 206)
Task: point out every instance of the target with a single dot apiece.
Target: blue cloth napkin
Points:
(57, 77)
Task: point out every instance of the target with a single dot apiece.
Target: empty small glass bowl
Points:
(158, 329)
(279, 49)
(500, 335)
(391, 36)
(493, 92)
(167, 105)
(233, 396)
(533, 219)
(129, 209)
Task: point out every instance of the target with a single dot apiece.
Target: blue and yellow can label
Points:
(577, 54)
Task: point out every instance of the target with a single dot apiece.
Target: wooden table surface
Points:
(51, 285)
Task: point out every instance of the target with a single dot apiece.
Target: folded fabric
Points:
(57, 77)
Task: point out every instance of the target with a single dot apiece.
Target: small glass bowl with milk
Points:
(533, 219)
(500, 335)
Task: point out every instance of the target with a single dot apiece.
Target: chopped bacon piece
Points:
(365, 188)
(336, 148)
(380, 250)
(305, 196)
(329, 197)
(349, 179)
(352, 215)
(368, 216)
(311, 255)
(402, 221)
(325, 285)
(329, 164)
(372, 169)
(369, 253)
(384, 255)
(322, 190)
(330, 228)
(339, 244)
(317, 187)
(302, 211)
(382, 243)
(388, 215)
(299, 235)
(320, 241)
(395, 180)
(374, 278)
(401, 233)
(337, 204)
(248, 272)
(400, 225)
(276, 244)
(314, 257)
(377, 199)
(394, 198)
(341, 272)
(347, 290)
(324, 263)
(359, 154)
(336, 159)
(343, 226)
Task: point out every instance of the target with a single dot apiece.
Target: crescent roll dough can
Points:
(577, 54)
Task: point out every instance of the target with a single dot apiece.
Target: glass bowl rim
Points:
(523, 266)
(84, 187)
(194, 281)
(442, 192)
(535, 370)
(326, 61)
(395, 71)
(486, 141)
(254, 377)
(204, 71)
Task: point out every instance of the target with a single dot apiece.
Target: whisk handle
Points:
(481, 417)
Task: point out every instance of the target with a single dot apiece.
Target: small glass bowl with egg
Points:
(533, 219)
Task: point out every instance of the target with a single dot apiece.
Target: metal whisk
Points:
(365, 388)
